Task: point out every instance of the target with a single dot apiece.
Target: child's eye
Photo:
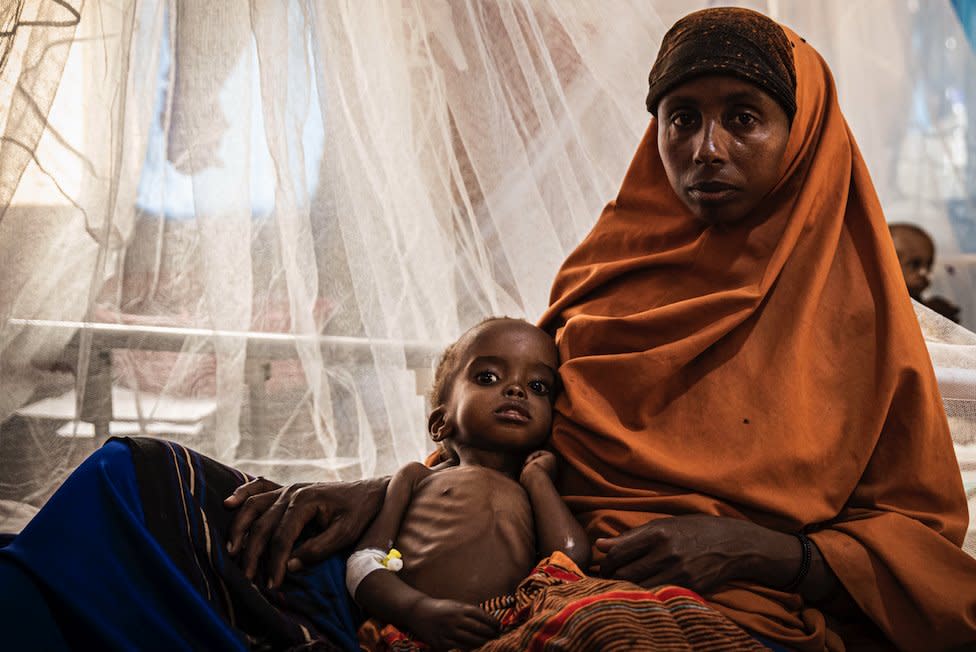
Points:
(916, 265)
(539, 387)
(486, 378)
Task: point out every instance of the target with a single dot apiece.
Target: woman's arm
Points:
(704, 552)
(442, 624)
(778, 560)
(555, 526)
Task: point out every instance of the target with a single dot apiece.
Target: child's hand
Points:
(539, 462)
(448, 624)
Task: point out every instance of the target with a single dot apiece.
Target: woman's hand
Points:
(699, 552)
(449, 625)
(271, 517)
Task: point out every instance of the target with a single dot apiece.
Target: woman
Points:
(749, 408)
(746, 277)
(739, 353)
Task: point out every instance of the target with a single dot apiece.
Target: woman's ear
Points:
(438, 425)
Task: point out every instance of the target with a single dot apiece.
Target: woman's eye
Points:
(539, 387)
(683, 119)
(486, 377)
(745, 119)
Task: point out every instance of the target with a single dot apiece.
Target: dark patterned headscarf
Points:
(726, 41)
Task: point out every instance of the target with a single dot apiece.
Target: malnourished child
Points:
(470, 532)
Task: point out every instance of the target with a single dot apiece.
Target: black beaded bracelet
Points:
(805, 562)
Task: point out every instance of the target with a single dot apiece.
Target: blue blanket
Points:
(130, 553)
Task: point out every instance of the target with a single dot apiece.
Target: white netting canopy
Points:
(251, 226)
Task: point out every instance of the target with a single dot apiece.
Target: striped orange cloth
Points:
(557, 607)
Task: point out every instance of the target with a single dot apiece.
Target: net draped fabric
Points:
(388, 172)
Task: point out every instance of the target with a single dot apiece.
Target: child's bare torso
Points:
(467, 535)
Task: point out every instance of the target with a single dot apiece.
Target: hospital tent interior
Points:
(251, 227)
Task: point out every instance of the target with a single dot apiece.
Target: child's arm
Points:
(442, 624)
(555, 526)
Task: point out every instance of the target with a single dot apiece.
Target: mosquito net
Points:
(251, 227)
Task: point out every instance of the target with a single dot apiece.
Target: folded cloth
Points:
(557, 607)
(182, 494)
(130, 553)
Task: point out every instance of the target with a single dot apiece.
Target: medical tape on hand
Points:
(363, 562)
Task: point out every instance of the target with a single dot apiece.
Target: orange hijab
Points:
(773, 371)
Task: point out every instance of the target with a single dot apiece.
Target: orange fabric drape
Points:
(771, 370)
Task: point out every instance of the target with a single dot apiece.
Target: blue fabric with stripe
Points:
(86, 572)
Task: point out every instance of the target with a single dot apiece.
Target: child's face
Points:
(915, 254)
(501, 394)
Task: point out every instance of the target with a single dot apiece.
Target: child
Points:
(470, 532)
(916, 254)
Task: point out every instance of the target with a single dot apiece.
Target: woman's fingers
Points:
(294, 519)
(248, 489)
(252, 508)
(335, 538)
(258, 536)
(619, 557)
(699, 552)
(626, 548)
(251, 500)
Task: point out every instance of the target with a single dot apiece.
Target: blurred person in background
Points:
(916, 255)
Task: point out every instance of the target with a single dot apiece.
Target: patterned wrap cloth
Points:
(558, 608)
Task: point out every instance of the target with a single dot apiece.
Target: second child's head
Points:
(916, 253)
(494, 389)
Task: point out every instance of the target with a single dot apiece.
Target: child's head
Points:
(494, 388)
(916, 252)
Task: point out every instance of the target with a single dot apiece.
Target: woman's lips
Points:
(711, 191)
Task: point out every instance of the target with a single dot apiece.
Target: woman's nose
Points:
(515, 390)
(710, 149)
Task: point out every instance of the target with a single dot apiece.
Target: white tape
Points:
(360, 564)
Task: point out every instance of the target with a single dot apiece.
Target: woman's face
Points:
(722, 141)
